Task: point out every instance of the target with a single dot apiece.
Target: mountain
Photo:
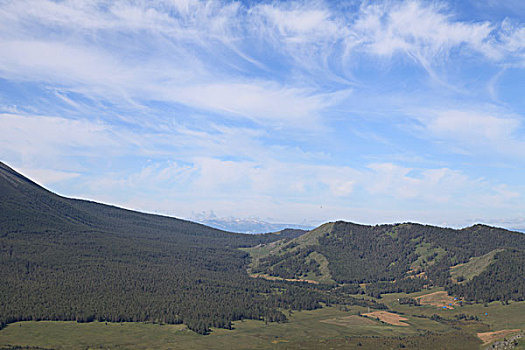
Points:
(400, 257)
(69, 259)
(250, 225)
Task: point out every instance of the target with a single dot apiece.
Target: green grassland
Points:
(498, 316)
(325, 276)
(329, 327)
(281, 247)
(473, 267)
(427, 255)
(305, 330)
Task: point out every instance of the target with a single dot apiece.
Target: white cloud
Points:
(47, 176)
(212, 178)
(38, 136)
(168, 178)
(476, 132)
(512, 43)
(482, 127)
(431, 185)
(60, 63)
(258, 101)
(197, 169)
(444, 190)
(383, 193)
(425, 32)
(198, 53)
(98, 75)
(173, 63)
(300, 23)
(183, 20)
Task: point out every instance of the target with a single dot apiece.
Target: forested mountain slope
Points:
(27, 207)
(67, 259)
(400, 257)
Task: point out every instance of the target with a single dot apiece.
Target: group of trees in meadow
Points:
(407, 285)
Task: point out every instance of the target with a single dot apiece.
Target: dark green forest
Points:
(67, 259)
(408, 258)
(504, 280)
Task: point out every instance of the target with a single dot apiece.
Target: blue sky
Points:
(299, 112)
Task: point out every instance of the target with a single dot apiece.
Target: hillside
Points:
(400, 257)
(68, 259)
(74, 260)
(28, 207)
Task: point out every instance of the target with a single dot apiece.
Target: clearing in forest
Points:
(276, 278)
(352, 320)
(388, 317)
(489, 337)
(473, 267)
(439, 299)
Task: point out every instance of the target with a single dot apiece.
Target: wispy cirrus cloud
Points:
(424, 32)
(34, 136)
(180, 46)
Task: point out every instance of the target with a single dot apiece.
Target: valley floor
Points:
(429, 327)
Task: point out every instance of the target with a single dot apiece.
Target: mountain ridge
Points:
(389, 257)
(21, 179)
(72, 259)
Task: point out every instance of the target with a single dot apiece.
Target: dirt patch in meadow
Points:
(388, 317)
(352, 320)
(275, 278)
(489, 337)
(438, 299)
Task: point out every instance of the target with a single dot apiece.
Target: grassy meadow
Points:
(330, 327)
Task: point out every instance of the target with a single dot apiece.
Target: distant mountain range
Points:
(249, 225)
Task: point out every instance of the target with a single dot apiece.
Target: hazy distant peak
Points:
(244, 225)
